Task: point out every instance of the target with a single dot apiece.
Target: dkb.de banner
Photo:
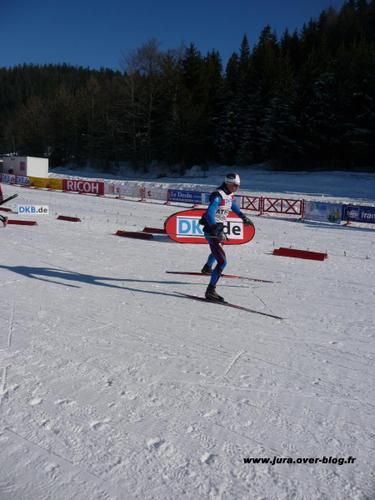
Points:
(184, 227)
(357, 213)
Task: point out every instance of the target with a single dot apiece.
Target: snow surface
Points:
(112, 386)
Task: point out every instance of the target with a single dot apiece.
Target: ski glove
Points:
(246, 220)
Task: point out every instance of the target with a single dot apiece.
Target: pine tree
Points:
(30, 128)
(142, 84)
(226, 136)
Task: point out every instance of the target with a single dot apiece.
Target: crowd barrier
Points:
(143, 191)
(266, 205)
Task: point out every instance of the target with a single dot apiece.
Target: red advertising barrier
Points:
(68, 218)
(23, 222)
(83, 186)
(299, 254)
(134, 234)
(184, 227)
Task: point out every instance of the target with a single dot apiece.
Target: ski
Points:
(234, 276)
(228, 304)
(8, 199)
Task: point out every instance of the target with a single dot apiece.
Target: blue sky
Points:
(96, 33)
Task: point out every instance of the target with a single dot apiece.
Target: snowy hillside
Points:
(114, 387)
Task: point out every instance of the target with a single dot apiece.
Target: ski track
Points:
(237, 357)
(11, 325)
(115, 388)
(3, 389)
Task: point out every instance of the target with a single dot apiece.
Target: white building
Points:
(28, 166)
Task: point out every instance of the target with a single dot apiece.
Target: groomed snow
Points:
(114, 387)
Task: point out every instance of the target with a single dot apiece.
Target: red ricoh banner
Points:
(184, 227)
(83, 186)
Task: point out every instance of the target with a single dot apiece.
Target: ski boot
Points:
(212, 295)
(206, 269)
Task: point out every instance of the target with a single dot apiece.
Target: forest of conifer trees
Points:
(305, 100)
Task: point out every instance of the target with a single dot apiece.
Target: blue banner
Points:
(194, 197)
(8, 178)
(357, 213)
(21, 179)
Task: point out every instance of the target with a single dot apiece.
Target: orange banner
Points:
(49, 183)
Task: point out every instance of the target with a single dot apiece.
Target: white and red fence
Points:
(267, 205)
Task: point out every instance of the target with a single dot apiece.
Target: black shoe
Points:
(206, 269)
(212, 295)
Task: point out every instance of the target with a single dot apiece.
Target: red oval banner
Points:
(184, 227)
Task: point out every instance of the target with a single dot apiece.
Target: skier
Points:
(213, 220)
(3, 219)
